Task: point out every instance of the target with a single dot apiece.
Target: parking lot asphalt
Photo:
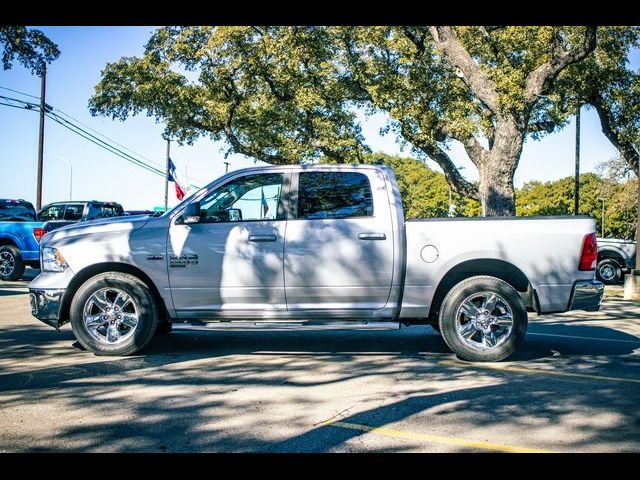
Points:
(573, 386)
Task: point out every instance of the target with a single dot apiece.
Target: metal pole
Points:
(226, 167)
(576, 198)
(166, 179)
(43, 87)
(602, 217)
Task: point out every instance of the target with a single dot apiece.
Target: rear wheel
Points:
(483, 319)
(608, 271)
(113, 313)
(11, 263)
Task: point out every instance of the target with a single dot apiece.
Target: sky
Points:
(72, 165)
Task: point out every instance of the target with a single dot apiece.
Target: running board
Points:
(286, 325)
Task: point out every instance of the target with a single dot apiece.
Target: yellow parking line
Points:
(462, 442)
(535, 371)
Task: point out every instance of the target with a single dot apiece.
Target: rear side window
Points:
(73, 212)
(334, 195)
(106, 211)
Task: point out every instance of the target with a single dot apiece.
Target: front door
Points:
(230, 263)
(339, 247)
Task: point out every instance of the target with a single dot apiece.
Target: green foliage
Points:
(31, 48)
(272, 93)
(556, 198)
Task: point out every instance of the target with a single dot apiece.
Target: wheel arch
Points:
(484, 266)
(8, 241)
(613, 254)
(93, 270)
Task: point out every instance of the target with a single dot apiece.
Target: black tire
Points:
(164, 327)
(470, 349)
(142, 303)
(11, 263)
(608, 271)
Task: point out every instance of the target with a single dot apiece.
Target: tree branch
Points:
(480, 84)
(541, 127)
(626, 148)
(546, 73)
(454, 179)
(476, 152)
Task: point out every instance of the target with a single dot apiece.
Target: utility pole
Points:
(226, 167)
(166, 180)
(576, 197)
(43, 87)
(602, 229)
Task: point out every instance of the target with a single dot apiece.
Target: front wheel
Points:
(113, 313)
(483, 319)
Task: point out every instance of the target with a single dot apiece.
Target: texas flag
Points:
(265, 205)
(174, 178)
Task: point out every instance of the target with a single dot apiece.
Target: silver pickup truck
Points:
(615, 258)
(318, 243)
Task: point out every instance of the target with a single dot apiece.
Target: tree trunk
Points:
(496, 171)
(638, 228)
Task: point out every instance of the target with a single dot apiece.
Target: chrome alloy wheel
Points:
(7, 263)
(607, 272)
(110, 316)
(484, 320)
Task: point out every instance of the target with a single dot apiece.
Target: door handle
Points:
(372, 236)
(262, 238)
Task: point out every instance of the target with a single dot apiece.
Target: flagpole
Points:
(166, 180)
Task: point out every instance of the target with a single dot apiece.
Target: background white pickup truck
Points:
(296, 243)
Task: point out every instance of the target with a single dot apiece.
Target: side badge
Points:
(183, 260)
(155, 256)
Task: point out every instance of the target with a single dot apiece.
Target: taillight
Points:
(38, 233)
(589, 255)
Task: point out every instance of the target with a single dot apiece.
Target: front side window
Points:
(52, 212)
(334, 195)
(249, 198)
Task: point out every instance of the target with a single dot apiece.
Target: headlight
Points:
(52, 260)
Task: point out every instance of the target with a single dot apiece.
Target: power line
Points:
(21, 93)
(70, 125)
(101, 134)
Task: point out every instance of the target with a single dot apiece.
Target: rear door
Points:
(339, 246)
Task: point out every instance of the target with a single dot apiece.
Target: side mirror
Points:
(234, 214)
(191, 213)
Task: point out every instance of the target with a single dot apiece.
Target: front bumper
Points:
(46, 304)
(586, 295)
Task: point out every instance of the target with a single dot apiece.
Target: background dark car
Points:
(60, 214)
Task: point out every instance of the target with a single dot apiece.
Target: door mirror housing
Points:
(191, 213)
(234, 215)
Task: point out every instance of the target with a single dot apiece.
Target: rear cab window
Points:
(17, 211)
